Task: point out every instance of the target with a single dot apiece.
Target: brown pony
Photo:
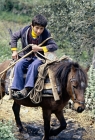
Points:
(73, 82)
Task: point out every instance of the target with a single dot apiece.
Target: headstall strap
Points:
(72, 79)
(73, 93)
(75, 100)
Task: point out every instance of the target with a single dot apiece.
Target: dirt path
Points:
(80, 126)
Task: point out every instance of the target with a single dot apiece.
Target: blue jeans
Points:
(23, 66)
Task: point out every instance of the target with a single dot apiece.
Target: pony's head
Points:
(73, 81)
(76, 86)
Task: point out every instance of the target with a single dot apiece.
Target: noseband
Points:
(73, 91)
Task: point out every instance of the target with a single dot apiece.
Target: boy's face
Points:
(38, 29)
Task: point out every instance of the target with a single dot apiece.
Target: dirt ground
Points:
(30, 115)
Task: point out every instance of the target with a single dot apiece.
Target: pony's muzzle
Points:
(79, 108)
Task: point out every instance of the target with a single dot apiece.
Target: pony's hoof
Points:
(44, 138)
(20, 129)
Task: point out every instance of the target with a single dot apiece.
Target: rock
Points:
(34, 138)
(26, 136)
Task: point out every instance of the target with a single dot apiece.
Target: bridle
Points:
(73, 91)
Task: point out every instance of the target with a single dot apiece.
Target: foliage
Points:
(6, 131)
(20, 5)
(90, 92)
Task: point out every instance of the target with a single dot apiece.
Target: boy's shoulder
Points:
(45, 31)
(25, 28)
(45, 34)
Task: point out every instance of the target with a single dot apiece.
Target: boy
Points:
(32, 34)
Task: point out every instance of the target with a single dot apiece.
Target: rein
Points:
(32, 44)
(2, 73)
(73, 91)
(26, 55)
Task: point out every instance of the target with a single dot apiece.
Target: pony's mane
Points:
(63, 69)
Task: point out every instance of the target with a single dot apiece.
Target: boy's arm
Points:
(50, 45)
(14, 39)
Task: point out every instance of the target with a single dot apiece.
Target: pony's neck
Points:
(65, 96)
(2, 95)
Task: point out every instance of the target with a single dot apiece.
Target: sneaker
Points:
(22, 93)
(15, 94)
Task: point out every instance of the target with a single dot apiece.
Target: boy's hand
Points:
(14, 55)
(36, 48)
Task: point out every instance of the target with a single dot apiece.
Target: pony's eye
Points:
(75, 86)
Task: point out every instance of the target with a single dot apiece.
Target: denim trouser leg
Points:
(19, 70)
(32, 73)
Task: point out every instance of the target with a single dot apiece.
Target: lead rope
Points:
(36, 92)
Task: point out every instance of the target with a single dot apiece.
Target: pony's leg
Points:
(46, 117)
(63, 124)
(16, 110)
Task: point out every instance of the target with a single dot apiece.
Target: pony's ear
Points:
(87, 68)
(73, 69)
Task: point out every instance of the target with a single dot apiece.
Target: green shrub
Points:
(90, 92)
(6, 131)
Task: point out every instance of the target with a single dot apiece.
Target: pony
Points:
(72, 79)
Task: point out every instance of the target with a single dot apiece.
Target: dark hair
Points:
(39, 20)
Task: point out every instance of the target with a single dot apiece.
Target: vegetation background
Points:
(71, 23)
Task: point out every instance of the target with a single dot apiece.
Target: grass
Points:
(11, 17)
(5, 51)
